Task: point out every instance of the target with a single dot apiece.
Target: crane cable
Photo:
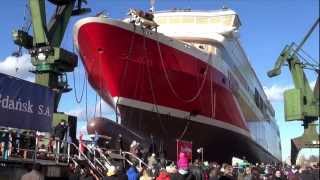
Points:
(125, 71)
(170, 83)
(151, 84)
(25, 27)
(78, 99)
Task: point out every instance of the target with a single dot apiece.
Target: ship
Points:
(181, 75)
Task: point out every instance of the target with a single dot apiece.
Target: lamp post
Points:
(200, 150)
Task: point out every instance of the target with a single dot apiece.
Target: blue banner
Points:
(25, 105)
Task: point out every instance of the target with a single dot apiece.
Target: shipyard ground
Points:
(14, 168)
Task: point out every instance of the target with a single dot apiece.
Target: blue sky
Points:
(267, 26)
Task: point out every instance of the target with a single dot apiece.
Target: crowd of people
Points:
(197, 170)
(156, 167)
(23, 143)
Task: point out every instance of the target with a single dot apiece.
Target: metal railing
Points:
(141, 162)
(90, 163)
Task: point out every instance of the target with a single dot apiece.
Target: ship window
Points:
(175, 20)
(214, 20)
(227, 20)
(188, 20)
(202, 20)
(161, 20)
(236, 22)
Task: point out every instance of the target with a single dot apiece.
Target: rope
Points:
(124, 74)
(211, 97)
(185, 129)
(170, 83)
(78, 100)
(95, 106)
(86, 82)
(151, 85)
(100, 86)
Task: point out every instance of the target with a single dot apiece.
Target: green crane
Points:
(300, 103)
(50, 60)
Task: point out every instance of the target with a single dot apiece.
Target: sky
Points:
(267, 26)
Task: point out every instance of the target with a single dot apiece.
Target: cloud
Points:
(18, 67)
(275, 92)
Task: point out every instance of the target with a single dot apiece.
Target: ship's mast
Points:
(301, 103)
(50, 60)
(152, 4)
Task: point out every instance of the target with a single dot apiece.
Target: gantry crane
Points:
(50, 60)
(300, 103)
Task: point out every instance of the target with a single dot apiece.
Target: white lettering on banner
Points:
(23, 106)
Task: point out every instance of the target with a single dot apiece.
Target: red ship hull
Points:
(164, 91)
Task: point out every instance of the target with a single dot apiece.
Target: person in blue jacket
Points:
(132, 172)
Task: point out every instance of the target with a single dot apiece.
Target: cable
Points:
(151, 85)
(170, 83)
(86, 95)
(124, 74)
(100, 87)
(78, 100)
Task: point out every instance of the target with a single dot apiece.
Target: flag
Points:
(185, 147)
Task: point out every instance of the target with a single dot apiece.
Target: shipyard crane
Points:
(300, 103)
(50, 60)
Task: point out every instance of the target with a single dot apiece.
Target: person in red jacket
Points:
(163, 175)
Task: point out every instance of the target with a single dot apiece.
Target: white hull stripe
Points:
(180, 114)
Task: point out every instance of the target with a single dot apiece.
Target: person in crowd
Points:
(307, 173)
(227, 174)
(214, 173)
(183, 169)
(24, 143)
(163, 175)
(247, 174)
(135, 148)
(278, 175)
(119, 143)
(132, 172)
(15, 142)
(60, 131)
(152, 147)
(152, 161)
(35, 174)
(146, 175)
(111, 174)
(88, 174)
(6, 143)
(73, 172)
(195, 170)
(171, 169)
(51, 144)
(294, 173)
(255, 174)
(121, 173)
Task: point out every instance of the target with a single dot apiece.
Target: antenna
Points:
(152, 3)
